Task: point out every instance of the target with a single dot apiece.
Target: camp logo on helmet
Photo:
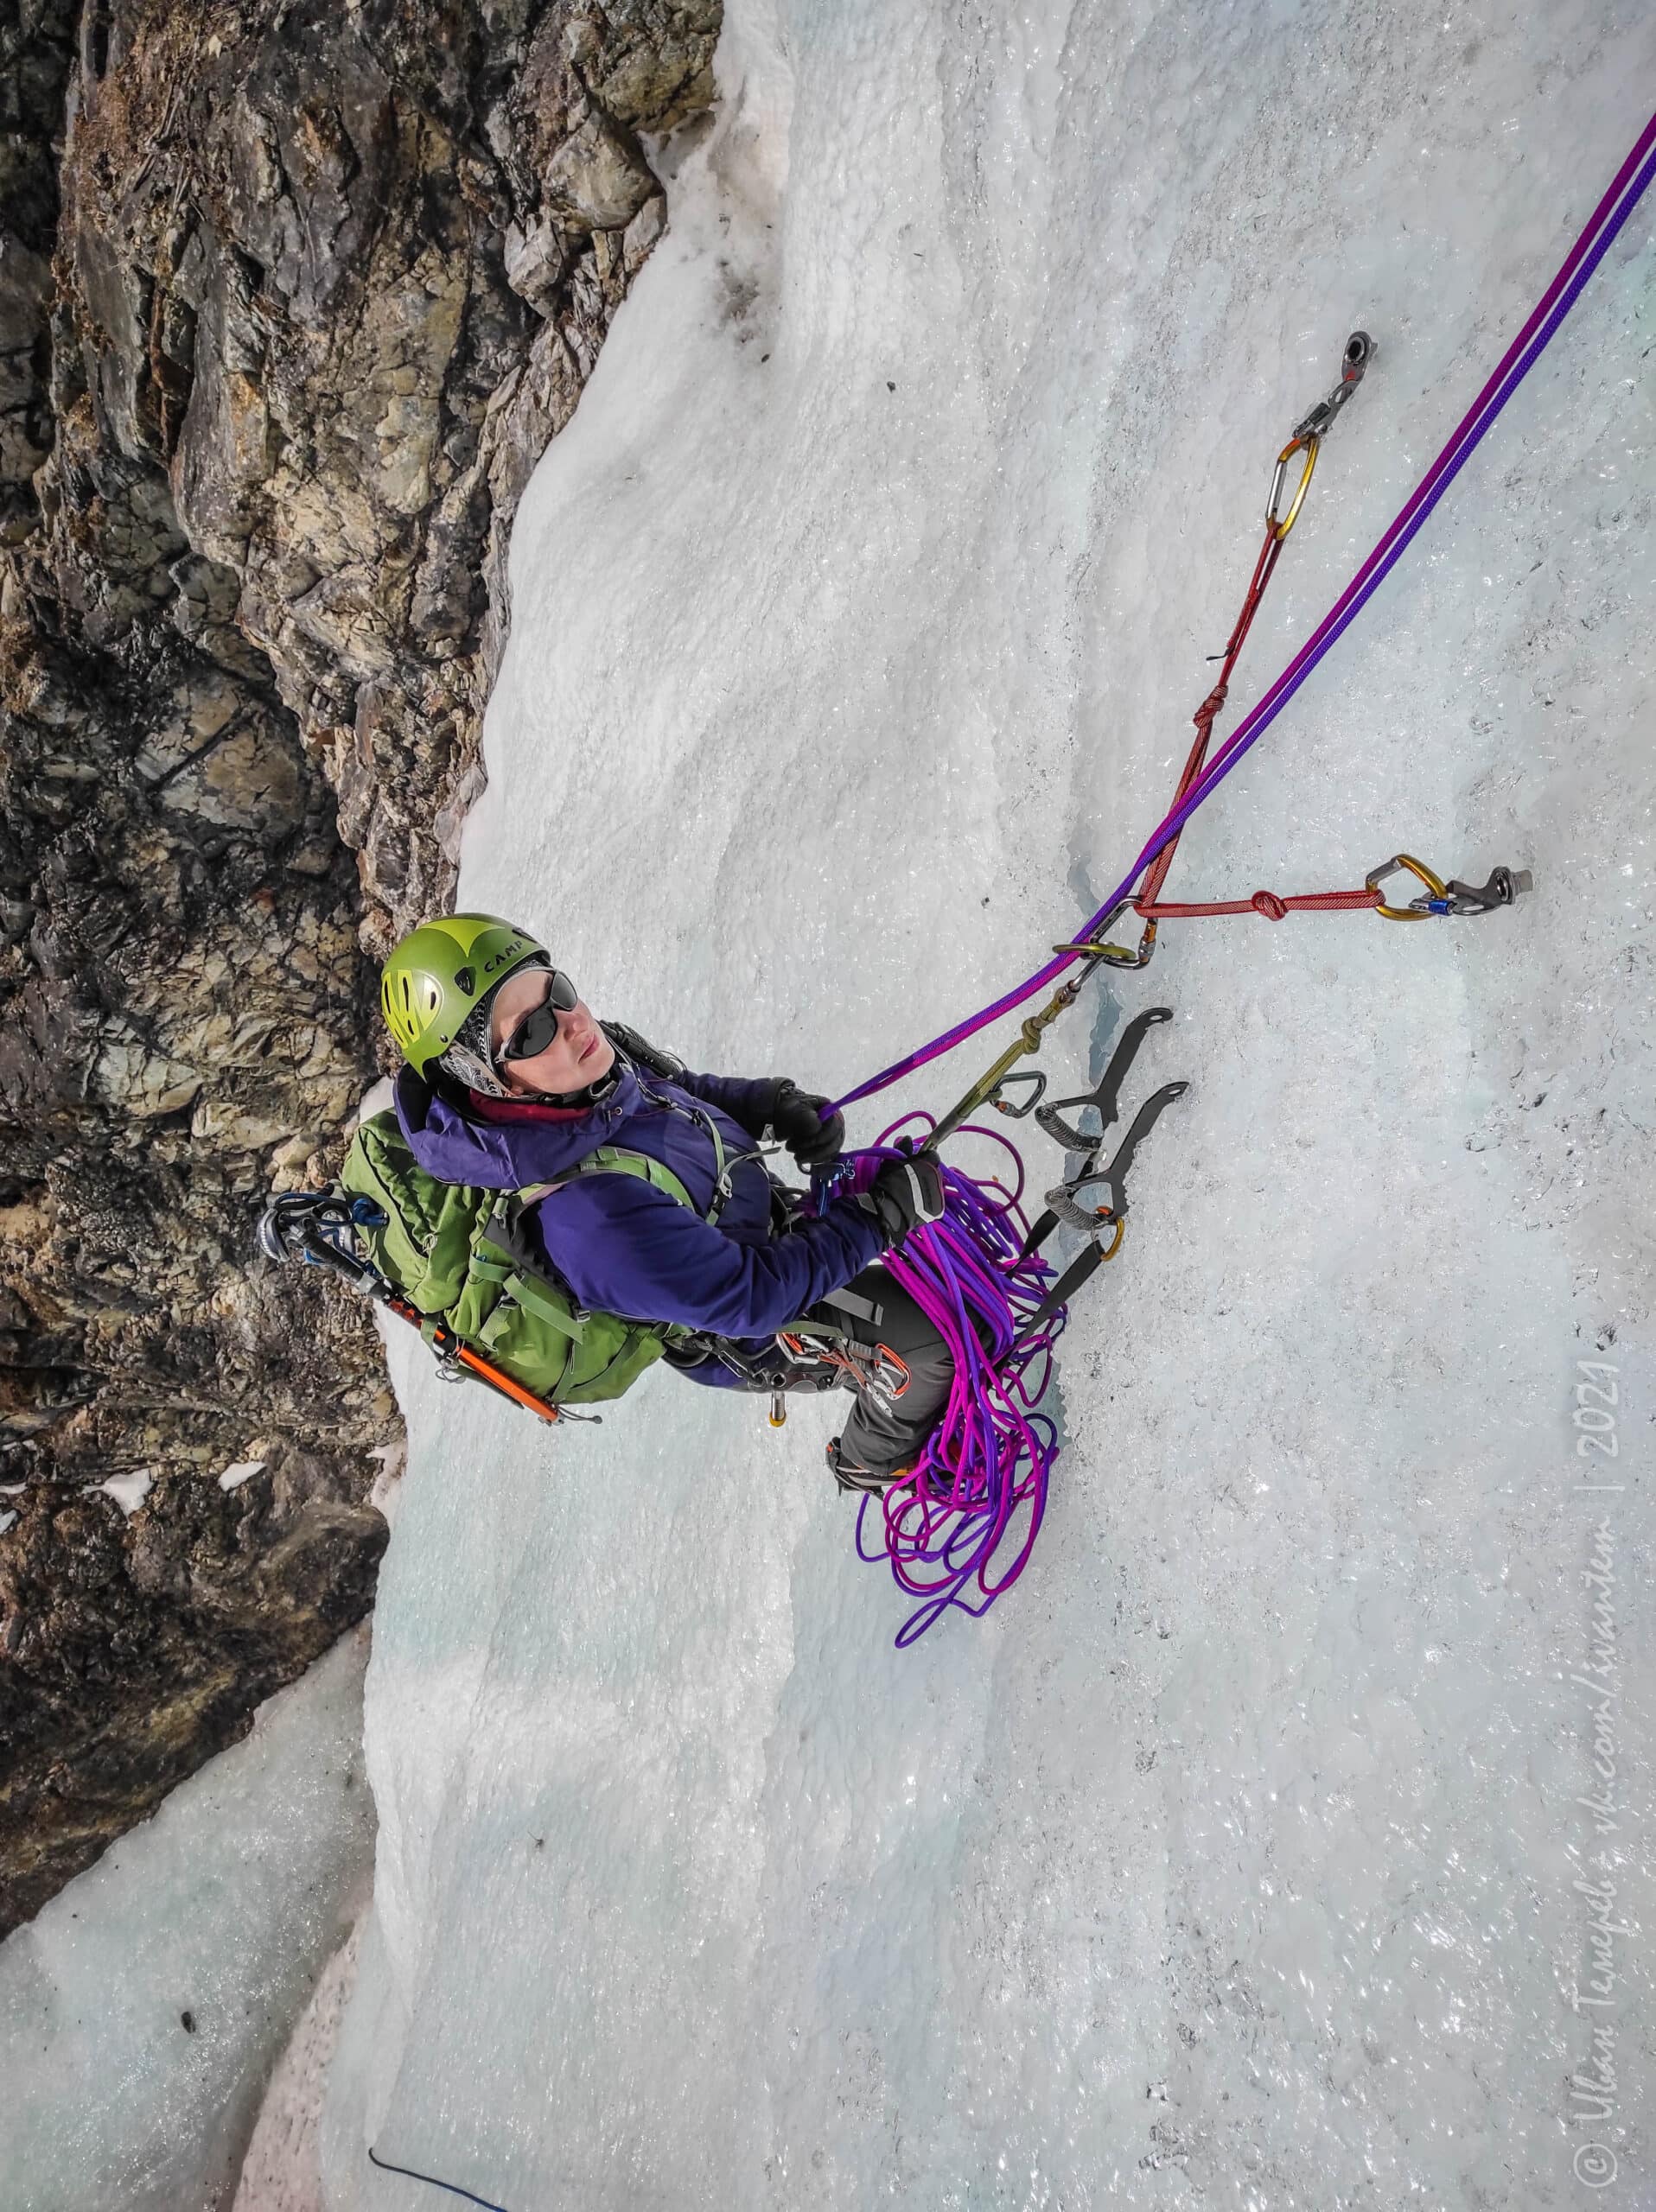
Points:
(500, 959)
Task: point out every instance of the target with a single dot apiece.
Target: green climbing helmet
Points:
(440, 971)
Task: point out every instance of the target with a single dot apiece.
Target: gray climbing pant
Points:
(906, 1371)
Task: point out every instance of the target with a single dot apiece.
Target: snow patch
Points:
(241, 1472)
(128, 1491)
(378, 1098)
(388, 1482)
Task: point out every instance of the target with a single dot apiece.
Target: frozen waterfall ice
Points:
(858, 618)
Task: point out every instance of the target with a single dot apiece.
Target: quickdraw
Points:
(944, 1524)
(1624, 194)
(1149, 904)
(1092, 950)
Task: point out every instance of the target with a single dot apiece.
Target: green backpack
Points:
(459, 1255)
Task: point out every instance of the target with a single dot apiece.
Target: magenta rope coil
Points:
(959, 1529)
(945, 1526)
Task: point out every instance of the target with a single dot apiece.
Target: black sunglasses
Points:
(538, 1027)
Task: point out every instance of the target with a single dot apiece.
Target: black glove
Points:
(795, 1116)
(905, 1193)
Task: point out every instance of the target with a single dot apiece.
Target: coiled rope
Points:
(982, 1479)
(958, 1529)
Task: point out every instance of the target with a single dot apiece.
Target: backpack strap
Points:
(724, 1166)
(502, 1254)
(612, 1160)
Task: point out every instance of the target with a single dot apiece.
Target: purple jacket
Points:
(623, 1246)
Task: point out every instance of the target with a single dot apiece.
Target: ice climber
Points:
(512, 1082)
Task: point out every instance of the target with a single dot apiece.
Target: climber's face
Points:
(541, 1043)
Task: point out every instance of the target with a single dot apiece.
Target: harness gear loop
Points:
(875, 1370)
(1418, 910)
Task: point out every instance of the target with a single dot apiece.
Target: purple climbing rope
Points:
(957, 1530)
(1626, 190)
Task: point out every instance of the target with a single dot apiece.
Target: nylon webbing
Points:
(1626, 189)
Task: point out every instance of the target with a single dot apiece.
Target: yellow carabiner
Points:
(1309, 446)
(1422, 874)
(1114, 955)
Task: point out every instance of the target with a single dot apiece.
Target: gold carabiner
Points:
(1310, 444)
(1114, 955)
(1434, 884)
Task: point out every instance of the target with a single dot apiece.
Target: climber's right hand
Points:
(904, 1195)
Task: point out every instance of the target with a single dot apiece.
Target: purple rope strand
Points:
(944, 1528)
(1601, 229)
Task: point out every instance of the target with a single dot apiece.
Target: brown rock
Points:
(286, 319)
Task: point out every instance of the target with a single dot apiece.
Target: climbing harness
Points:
(875, 1371)
(978, 1273)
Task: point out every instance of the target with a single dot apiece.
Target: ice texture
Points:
(859, 618)
(142, 2010)
(282, 2171)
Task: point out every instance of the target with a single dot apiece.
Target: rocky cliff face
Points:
(292, 296)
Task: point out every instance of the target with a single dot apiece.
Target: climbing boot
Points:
(849, 1476)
